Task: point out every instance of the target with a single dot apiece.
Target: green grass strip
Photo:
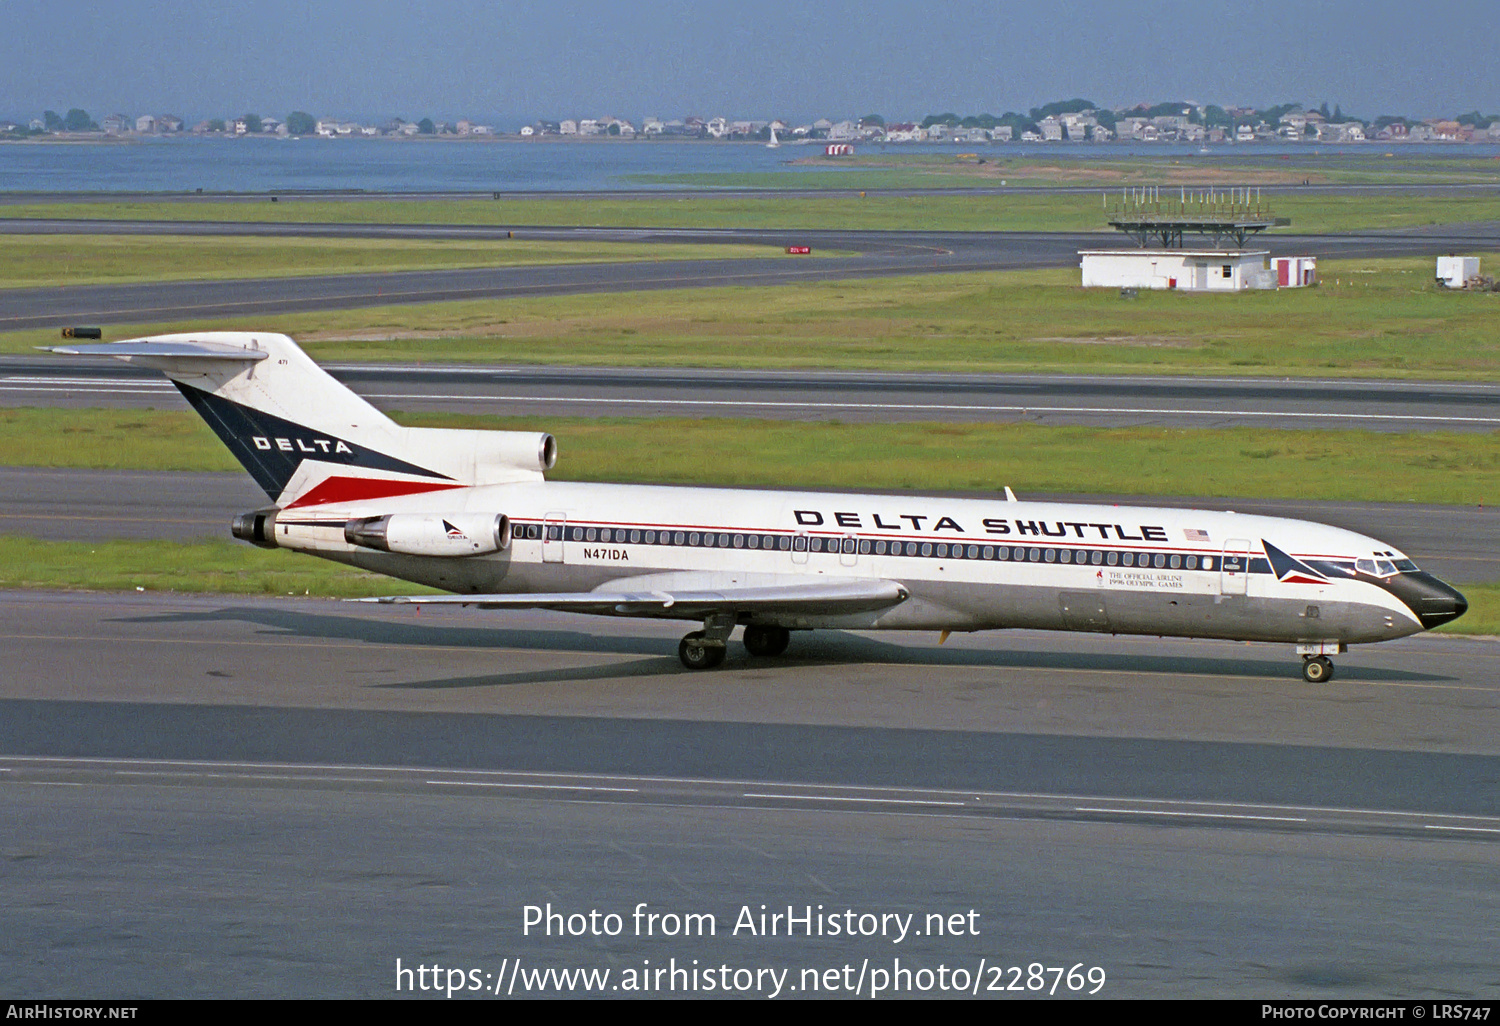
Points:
(57, 260)
(205, 566)
(961, 212)
(1368, 318)
(1454, 468)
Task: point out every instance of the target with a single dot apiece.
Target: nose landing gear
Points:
(1317, 669)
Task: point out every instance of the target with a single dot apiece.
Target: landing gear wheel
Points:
(766, 641)
(697, 653)
(1317, 670)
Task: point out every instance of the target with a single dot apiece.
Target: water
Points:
(413, 165)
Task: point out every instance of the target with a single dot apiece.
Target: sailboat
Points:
(773, 144)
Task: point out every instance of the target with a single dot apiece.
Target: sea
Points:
(289, 165)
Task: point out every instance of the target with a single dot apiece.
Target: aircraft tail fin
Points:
(305, 437)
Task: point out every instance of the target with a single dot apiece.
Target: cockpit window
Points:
(1365, 566)
(1406, 566)
(1382, 567)
(1385, 567)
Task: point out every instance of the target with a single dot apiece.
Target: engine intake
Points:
(431, 534)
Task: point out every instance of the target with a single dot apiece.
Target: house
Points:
(146, 124)
(567, 127)
(116, 124)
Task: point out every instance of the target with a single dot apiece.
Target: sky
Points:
(513, 62)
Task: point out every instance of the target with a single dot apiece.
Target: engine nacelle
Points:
(258, 528)
(431, 534)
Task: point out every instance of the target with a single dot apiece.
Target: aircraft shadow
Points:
(820, 649)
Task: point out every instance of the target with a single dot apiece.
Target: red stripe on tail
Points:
(358, 489)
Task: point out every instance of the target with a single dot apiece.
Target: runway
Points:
(1104, 401)
(282, 797)
(881, 254)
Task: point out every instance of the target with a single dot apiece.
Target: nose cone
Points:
(1434, 602)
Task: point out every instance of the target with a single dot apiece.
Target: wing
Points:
(827, 597)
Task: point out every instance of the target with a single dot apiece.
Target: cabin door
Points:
(554, 533)
(1234, 567)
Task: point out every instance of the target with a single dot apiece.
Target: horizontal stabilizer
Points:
(822, 598)
(169, 350)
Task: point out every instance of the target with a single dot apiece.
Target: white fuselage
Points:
(969, 564)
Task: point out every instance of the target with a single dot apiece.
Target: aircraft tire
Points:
(698, 654)
(1317, 671)
(766, 641)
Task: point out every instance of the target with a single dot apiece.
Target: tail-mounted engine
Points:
(431, 534)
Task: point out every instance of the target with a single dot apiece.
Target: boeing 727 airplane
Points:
(471, 513)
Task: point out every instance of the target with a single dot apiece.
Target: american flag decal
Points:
(1193, 534)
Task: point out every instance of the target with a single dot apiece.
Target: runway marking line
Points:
(1199, 815)
(835, 798)
(547, 787)
(404, 772)
(915, 407)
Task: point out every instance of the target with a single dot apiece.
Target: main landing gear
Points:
(705, 649)
(1317, 669)
(699, 652)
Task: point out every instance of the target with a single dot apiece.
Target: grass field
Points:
(1370, 318)
(208, 566)
(38, 261)
(1351, 465)
(971, 166)
(959, 212)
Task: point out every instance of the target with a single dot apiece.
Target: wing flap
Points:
(825, 598)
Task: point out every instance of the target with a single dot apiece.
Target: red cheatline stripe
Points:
(357, 489)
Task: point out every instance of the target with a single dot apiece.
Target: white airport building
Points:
(1198, 270)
